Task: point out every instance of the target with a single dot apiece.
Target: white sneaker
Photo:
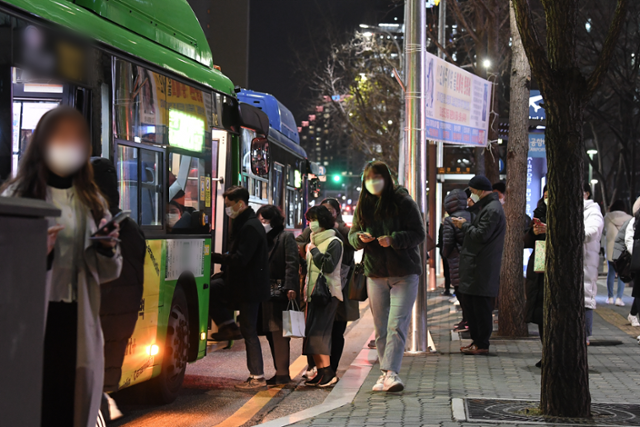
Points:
(633, 320)
(453, 299)
(619, 302)
(379, 385)
(311, 373)
(456, 304)
(609, 300)
(393, 382)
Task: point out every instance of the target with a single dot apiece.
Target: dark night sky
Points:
(280, 27)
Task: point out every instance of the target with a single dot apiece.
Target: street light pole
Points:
(415, 151)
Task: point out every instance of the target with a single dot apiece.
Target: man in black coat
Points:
(246, 282)
(480, 260)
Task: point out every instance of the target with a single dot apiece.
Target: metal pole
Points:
(415, 147)
(442, 34)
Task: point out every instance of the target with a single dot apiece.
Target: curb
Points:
(342, 394)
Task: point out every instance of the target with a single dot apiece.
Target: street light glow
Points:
(486, 63)
(367, 34)
(592, 152)
(594, 181)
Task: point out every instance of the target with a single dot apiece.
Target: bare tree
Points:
(511, 321)
(566, 91)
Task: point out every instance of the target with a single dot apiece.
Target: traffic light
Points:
(337, 178)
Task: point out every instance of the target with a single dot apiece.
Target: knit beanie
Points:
(480, 182)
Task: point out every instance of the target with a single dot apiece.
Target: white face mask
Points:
(65, 159)
(546, 201)
(172, 218)
(267, 227)
(231, 212)
(314, 226)
(374, 186)
(474, 197)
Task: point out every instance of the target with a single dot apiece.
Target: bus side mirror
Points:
(260, 157)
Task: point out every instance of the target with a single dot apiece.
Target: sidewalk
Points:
(433, 380)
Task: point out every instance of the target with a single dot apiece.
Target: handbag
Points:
(293, 321)
(320, 293)
(358, 284)
(278, 292)
(541, 253)
(622, 265)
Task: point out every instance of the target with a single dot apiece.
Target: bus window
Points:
(278, 176)
(128, 179)
(189, 194)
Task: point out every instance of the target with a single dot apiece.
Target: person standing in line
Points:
(283, 268)
(389, 226)
(455, 203)
(119, 299)
(612, 223)
(324, 257)
(480, 261)
(627, 235)
(348, 310)
(445, 263)
(593, 225)
(245, 284)
(534, 284)
(56, 168)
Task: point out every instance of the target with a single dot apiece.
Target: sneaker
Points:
(311, 373)
(278, 380)
(252, 384)
(392, 382)
(453, 300)
(466, 347)
(379, 385)
(329, 378)
(610, 300)
(475, 351)
(619, 302)
(456, 303)
(228, 332)
(446, 294)
(633, 320)
(313, 382)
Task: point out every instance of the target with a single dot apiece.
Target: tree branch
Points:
(461, 19)
(608, 49)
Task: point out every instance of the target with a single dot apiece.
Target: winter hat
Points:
(480, 182)
(636, 206)
(500, 186)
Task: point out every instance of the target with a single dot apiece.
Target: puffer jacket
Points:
(481, 255)
(407, 231)
(456, 206)
(612, 223)
(593, 225)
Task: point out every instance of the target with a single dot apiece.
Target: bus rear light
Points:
(153, 350)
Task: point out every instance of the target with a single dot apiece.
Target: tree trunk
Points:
(491, 155)
(511, 302)
(565, 377)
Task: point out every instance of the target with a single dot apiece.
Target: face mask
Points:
(267, 227)
(65, 159)
(314, 226)
(475, 197)
(172, 218)
(546, 202)
(232, 212)
(502, 201)
(374, 186)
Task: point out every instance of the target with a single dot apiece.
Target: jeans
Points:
(221, 313)
(611, 277)
(588, 324)
(480, 318)
(391, 300)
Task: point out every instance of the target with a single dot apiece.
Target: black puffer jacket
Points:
(407, 231)
(456, 206)
(246, 266)
(534, 284)
(481, 255)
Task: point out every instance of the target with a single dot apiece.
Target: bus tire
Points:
(166, 386)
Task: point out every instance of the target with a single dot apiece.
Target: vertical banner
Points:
(457, 104)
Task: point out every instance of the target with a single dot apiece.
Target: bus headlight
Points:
(153, 350)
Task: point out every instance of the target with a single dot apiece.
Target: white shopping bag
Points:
(293, 321)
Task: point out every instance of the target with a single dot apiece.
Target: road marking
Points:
(257, 402)
(618, 321)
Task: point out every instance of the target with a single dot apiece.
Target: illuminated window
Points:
(186, 131)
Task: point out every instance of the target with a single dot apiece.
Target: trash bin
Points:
(23, 269)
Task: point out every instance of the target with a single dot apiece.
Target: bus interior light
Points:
(153, 350)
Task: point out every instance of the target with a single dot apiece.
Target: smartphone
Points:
(536, 221)
(368, 235)
(111, 225)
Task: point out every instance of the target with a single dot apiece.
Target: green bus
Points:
(143, 75)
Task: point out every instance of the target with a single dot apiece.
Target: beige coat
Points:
(612, 223)
(95, 270)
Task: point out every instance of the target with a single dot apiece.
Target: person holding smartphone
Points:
(56, 168)
(389, 226)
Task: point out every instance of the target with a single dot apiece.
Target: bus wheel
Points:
(166, 386)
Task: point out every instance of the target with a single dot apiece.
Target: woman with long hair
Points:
(283, 269)
(56, 168)
(324, 257)
(389, 226)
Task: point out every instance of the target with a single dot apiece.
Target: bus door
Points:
(220, 146)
